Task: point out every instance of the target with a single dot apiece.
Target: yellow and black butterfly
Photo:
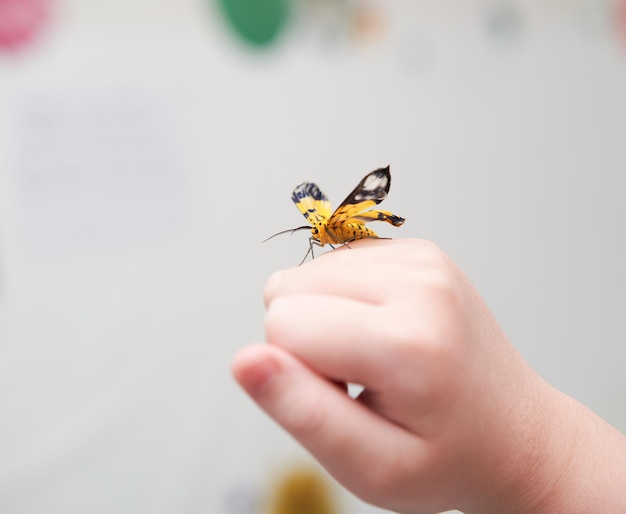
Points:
(347, 223)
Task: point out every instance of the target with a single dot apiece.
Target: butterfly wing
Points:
(377, 215)
(347, 222)
(370, 191)
(311, 202)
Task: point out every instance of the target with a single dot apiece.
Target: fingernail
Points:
(253, 370)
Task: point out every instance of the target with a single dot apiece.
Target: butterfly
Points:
(347, 223)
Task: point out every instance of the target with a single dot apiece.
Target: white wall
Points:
(145, 153)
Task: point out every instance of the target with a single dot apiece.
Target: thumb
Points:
(286, 389)
(352, 442)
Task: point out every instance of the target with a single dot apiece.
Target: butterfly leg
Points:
(335, 237)
(312, 241)
(309, 251)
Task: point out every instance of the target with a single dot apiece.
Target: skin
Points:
(451, 416)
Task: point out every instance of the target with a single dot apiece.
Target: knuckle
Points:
(424, 248)
(442, 284)
(274, 321)
(273, 287)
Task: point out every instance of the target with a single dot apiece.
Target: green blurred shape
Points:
(257, 22)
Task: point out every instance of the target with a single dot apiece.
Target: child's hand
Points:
(451, 415)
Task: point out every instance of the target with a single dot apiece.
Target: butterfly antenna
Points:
(288, 231)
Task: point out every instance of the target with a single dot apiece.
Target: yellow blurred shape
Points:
(303, 490)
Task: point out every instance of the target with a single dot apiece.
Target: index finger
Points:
(349, 271)
(369, 270)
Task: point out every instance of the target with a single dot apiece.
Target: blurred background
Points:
(148, 147)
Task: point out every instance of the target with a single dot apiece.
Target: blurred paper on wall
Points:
(95, 167)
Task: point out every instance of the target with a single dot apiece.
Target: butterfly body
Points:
(347, 222)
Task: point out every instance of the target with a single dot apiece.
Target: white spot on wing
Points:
(373, 188)
(373, 182)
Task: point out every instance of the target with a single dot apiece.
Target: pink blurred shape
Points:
(21, 21)
(620, 18)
